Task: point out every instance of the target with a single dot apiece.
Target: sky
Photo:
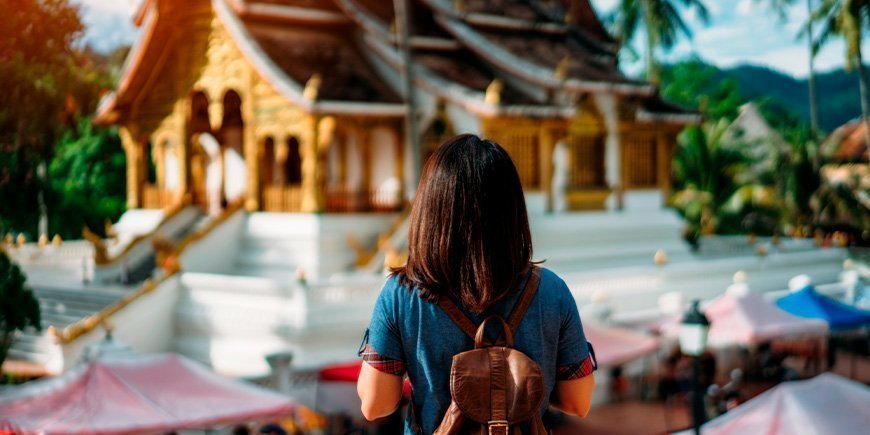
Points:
(740, 32)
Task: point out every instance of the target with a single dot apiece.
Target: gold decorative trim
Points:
(72, 332)
(171, 268)
(101, 256)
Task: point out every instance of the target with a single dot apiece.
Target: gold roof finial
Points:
(493, 92)
(312, 87)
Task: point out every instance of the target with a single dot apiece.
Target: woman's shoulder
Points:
(396, 290)
(552, 286)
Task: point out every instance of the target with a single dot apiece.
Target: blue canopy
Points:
(807, 302)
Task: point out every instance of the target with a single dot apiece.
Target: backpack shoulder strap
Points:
(522, 305)
(458, 317)
(516, 316)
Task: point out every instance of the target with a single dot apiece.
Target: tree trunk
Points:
(811, 77)
(865, 104)
(652, 73)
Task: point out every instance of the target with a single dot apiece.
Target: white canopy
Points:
(826, 404)
(615, 346)
(744, 318)
(155, 393)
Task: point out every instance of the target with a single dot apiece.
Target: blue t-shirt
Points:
(406, 328)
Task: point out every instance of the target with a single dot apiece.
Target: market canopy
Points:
(807, 302)
(154, 393)
(615, 346)
(740, 317)
(826, 404)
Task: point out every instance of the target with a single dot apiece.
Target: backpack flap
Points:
(497, 384)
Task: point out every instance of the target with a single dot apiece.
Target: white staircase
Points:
(60, 307)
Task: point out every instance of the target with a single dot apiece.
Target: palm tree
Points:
(847, 19)
(711, 194)
(780, 7)
(662, 22)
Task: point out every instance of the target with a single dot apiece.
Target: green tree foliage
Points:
(695, 84)
(49, 83)
(19, 308)
(87, 180)
(709, 192)
(662, 22)
(847, 19)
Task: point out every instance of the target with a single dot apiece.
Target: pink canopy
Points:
(826, 404)
(615, 346)
(136, 394)
(743, 319)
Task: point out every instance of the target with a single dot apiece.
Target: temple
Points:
(298, 105)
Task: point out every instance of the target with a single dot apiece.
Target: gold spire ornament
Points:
(660, 258)
(43, 240)
(56, 240)
(22, 239)
(312, 87)
(493, 92)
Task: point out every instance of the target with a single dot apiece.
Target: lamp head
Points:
(693, 331)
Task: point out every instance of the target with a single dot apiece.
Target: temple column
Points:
(663, 164)
(312, 190)
(545, 153)
(250, 147)
(158, 151)
(133, 152)
(365, 148)
(608, 108)
(182, 111)
(400, 166)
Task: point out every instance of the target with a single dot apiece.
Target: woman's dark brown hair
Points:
(469, 233)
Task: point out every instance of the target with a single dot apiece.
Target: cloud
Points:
(108, 22)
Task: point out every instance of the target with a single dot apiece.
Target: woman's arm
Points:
(575, 396)
(379, 392)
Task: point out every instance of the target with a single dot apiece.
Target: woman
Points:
(469, 241)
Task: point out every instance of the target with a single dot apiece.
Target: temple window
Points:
(587, 163)
(639, 160)
(522, 145)
(199, 119)
(293, 163)
(149, 166)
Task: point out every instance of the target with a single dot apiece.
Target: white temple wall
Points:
(384, 164)
(607, 106)
(216, 252)
(236, 175)
(172, 169)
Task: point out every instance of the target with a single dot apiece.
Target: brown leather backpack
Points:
(495, 389)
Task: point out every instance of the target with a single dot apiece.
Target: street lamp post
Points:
(693, 342)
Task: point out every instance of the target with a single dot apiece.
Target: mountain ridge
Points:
(837, 91)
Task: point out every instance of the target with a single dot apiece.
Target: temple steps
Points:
(59, 307)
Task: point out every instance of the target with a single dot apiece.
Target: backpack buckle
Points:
(498, 427)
